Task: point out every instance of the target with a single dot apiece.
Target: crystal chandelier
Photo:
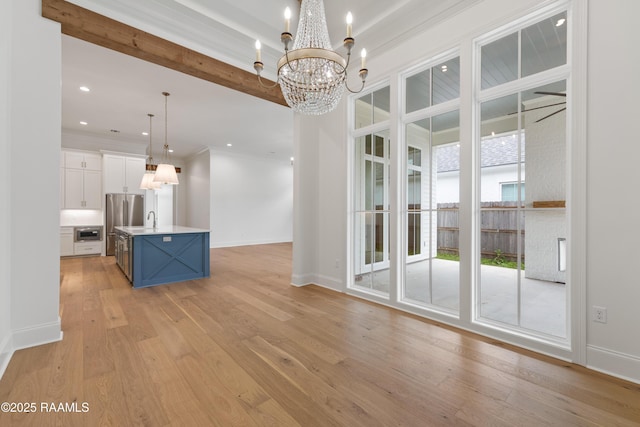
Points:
(311, 75)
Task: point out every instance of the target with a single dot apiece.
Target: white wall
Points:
(33, 132)
(88, 142)
(305, 198)
(5, 185)
(198, 184)
(612, 280)
(613, 203)
(251, 200)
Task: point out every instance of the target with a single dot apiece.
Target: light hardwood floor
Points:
(245, 348)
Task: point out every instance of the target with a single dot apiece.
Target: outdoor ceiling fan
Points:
(564, 95)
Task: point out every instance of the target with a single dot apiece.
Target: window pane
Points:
(379, 146)
(500, 61)
(363, 111)
(372, 108)
(446, 128)
(544, 45)
(382, 105)
(446, 81)
(418, 91)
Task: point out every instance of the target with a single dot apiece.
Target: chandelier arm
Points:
(363, 75)
(346, 85)
(286, 54)
(267, 86)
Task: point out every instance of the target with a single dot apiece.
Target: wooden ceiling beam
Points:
(98, 29)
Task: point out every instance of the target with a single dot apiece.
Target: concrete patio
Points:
(542, 308)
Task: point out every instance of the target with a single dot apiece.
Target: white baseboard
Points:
(6, 351)
(329, 282)
(319, 280)
(614, 363)
(302, 279)
(235, 243)
(37, 335)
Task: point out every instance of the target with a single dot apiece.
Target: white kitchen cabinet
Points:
(80, 180)
(66, 241)
(82, 160)
(87, 248)
(123, 174)
(62, 189)
(82, 189)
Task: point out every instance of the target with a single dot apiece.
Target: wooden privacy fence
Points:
(498, 229)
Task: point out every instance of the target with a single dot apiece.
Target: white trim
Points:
(6, 352)
(329, 282)
(32, 336)
(302, 279)
(614, 363)
(525, 83)
(577, 184)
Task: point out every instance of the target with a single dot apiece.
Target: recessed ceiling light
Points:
(229, 145)
(170, 150)
(145, 133)
(83, 123)
(444, 68)
(85, 89)
(560, 22)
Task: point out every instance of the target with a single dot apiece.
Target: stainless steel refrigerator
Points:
(122, 210)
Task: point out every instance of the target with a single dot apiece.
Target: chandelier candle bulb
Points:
(363, 55)
(349, 22)
(258, 54)
(287, 20)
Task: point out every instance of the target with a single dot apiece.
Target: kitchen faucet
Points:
(155, 224)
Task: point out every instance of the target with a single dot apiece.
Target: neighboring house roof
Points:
(495, 151)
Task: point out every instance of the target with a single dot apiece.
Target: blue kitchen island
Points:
(155, 256)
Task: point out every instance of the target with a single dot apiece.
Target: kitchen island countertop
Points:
(165, 229)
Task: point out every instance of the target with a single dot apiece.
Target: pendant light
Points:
(147, 182)
(165, 172)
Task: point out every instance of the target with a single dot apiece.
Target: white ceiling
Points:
(202, 114)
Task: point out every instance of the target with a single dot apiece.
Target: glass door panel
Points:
(428, 278)
(371, 222)
(523, 136)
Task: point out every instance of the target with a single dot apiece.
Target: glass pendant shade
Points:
(312, 76)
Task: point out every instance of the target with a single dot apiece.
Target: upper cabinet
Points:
(80, 160)
(123, 174)
(80, 180)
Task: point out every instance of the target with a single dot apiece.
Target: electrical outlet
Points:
(599, 314)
